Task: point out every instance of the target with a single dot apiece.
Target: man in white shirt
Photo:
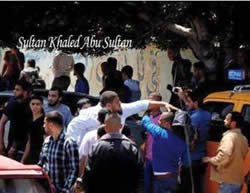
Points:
(87, 119)
(91, 138)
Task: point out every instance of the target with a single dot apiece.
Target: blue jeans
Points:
(148, 177)
(167, 185)
(230, 188)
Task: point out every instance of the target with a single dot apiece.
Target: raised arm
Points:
(153, 129)
(154, 104)
(144, 105)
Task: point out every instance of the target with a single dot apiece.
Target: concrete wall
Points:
(151, 67)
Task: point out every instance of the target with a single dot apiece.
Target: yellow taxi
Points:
(219, 104)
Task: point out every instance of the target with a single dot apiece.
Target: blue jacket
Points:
(167, 147)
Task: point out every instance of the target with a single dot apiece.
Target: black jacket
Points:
(113, 166)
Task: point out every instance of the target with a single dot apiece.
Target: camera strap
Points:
(189, 158)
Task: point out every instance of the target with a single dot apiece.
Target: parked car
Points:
(19, 178)
(220, 104)
(69, 98)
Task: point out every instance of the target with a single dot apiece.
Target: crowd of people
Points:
(94, 150)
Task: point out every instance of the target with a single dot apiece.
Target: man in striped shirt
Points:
(59, 156)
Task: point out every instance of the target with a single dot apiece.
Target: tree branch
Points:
(181, 30)
(201, 30)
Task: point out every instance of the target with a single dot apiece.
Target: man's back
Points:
(62, 64)
(114, 165)
(201, 121)
(134, 86)
(30, 74)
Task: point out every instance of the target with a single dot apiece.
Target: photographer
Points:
(200, 120)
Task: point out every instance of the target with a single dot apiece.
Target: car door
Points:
(244, 108)
(219, 109)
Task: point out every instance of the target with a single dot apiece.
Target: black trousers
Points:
(198, 170)
(62, 82)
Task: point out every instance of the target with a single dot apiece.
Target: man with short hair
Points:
(112, 63)
(54, 104)
(83, 103)
(181, 72)
(90, 139)
(167, 151)
(59, 156)
(181, 68)
(19, 114)
(228, 163)
(82, 84)
(30, 72)
(117, 156)
(134, 85)
(87, 119)
(199, 79)
(200, 120)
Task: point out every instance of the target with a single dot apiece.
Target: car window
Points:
(24, 185)
(219, 110)
(246, 126)
(246, 113)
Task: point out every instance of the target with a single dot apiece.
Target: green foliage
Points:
(142, 22)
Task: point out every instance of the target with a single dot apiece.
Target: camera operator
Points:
(200, 120)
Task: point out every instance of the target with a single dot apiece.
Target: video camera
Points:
(176, 89)
(173, 89)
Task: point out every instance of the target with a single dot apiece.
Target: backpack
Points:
(182, 127)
